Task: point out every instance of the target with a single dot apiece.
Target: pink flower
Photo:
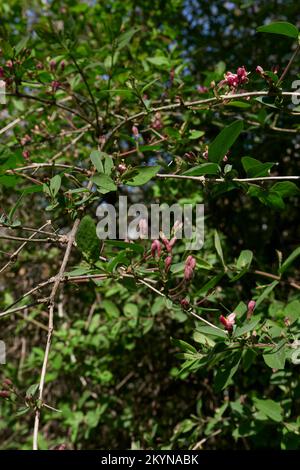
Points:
(135, 131)
(1, 72)
(189, 267)
(168, 262)
(231, 79)
(242, 75)
(228, 322)
(155, 248)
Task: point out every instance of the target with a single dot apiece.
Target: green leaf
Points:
(140, 175)
(194, 134)
(222, 143)
(270, 408)
(219, 247)
(96, 158)
(204, 169)
(285, 189)
(275, 358)
(55, 184)
(254, 168)
(210, 284)
(291, 258)
(280, 27)
(226, 371)
(158, 60)
(183, 345)
(86, 238)
(31, 391)
(209, 330)
(104, 183)
(125, 38)
(249, 326)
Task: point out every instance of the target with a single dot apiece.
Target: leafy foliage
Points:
(152, 346)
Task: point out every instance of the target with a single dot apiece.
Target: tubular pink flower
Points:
(168, 262)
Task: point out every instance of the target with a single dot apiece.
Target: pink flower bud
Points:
(202, 89)
(1, 72)
(122, 167)
(168, 262)
(62, 65)
(184, 303)
(26, 154)
(4, 394)
(25, 139)
(189, 267)
(259, 70)
(251, 307)
(55, 85)
(156, 248)
(52, 65)
(166, 242)
(9, 64)
(39, 66)
(135, 131)
(228, 322)
(205, 154)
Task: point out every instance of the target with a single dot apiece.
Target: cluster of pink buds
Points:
(189, 267)
(251, 307)
(7, 386)
(228, 322)
(234, 80)
(156, 247)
